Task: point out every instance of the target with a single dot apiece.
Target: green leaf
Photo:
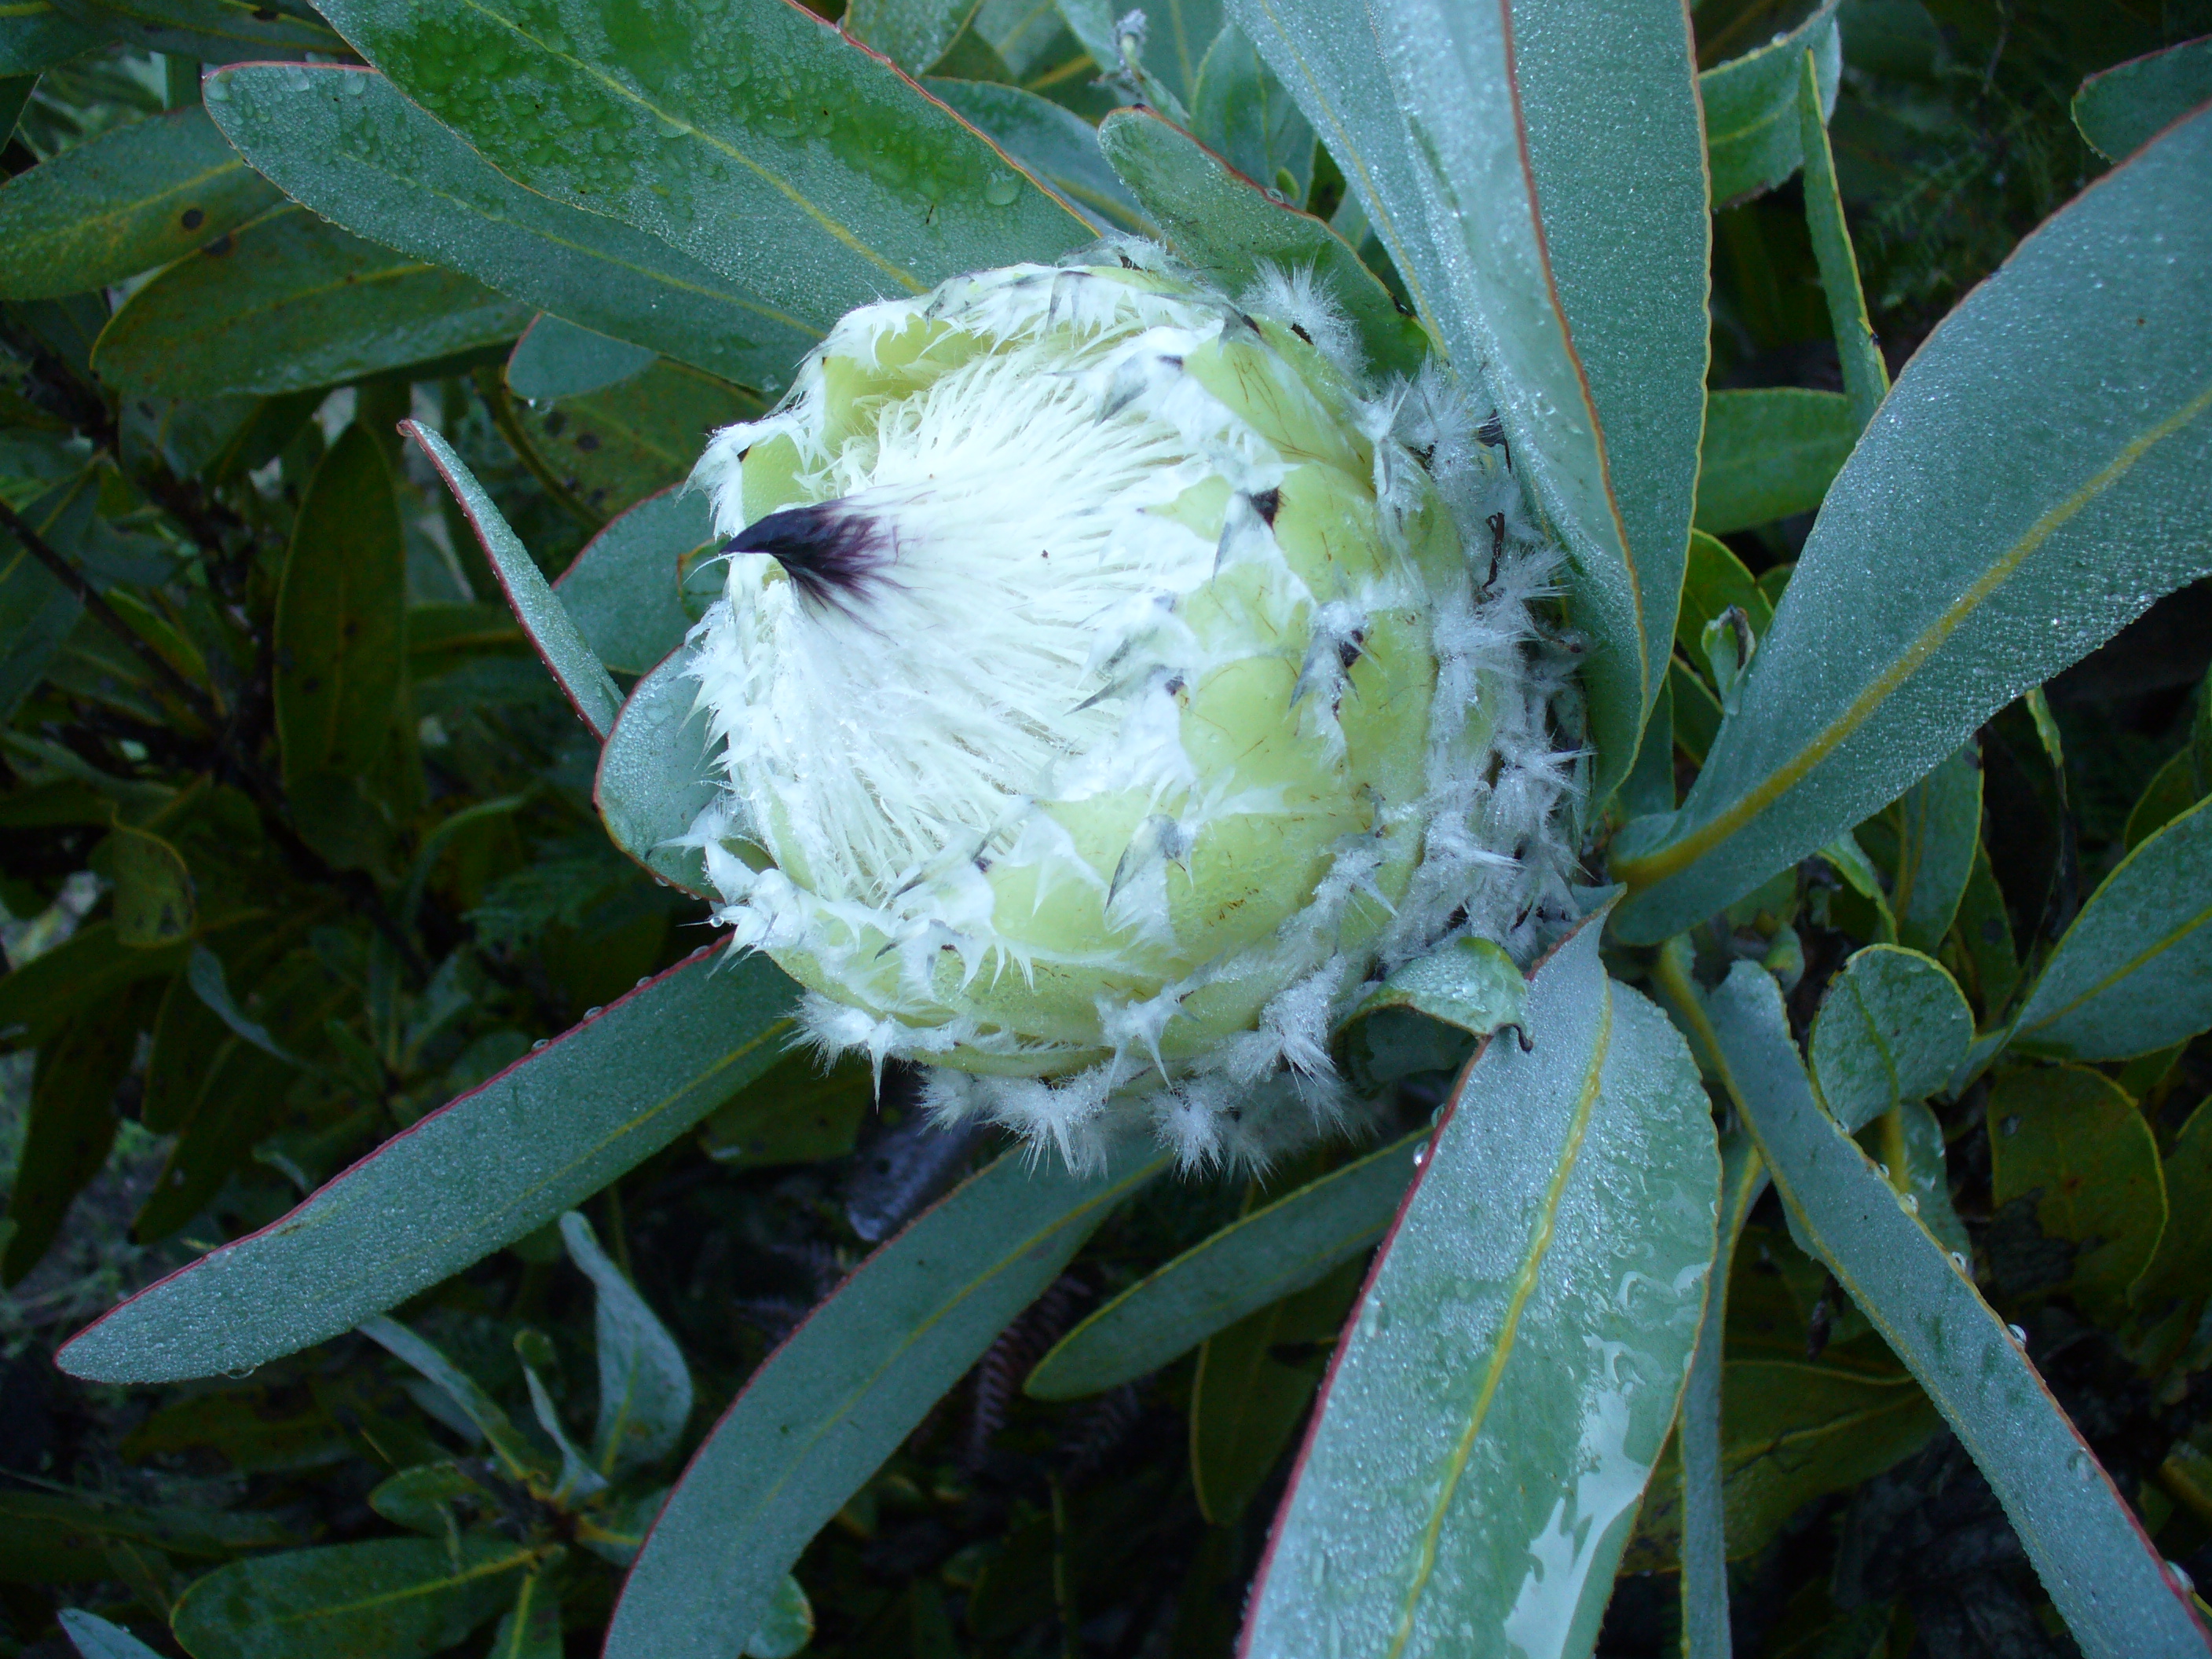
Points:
(514, 1453)
(1054, 142)
(1254, 1380)
(2172, 790)
(36, 612)
(152, 887)
(555, 359)
(1790, 1433)
(1490, 150)
(36, 34)
(684, 123)
(344, 142)
(122, 202)
(1928, 1178)
(2026, 490)
(845, 1388)
(1937, 825)
(2123, 108)
(531, 1629)
(2133, 973)
(2110, 1585)
(2178, 1272)
(787, 1625)
(1768, 454)
(214, 31)
(1177, 34)
(1248, 1266)
(645, 1388)
(1240, 111)
(1751, 141)
(289, 301)
(2068, 1147)
(657, 774)
(1518, 1353)
(1713, 579)
(609, 449)
(84, 974)
(93, 1637)
(1983, 932)
(797, 1113)
(582, 677)
(621, 590)
(71, 1122)
(912, 33)
(422, 1499)
(489, 1167)
(1228, 228)
(392, 1598)
(1893, 1028)
(1866, 377)
(341, 632)
(56, 1538)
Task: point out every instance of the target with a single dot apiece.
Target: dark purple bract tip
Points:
(835, 553)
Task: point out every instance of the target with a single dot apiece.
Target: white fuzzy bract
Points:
(1108, 685)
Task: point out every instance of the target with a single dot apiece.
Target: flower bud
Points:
(1105, 694)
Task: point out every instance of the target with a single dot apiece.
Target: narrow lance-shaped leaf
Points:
(2103, 1573)
(1497, 1400)
(645, 1388)
(849, 181)
(844, 1389)
(290, 302)
(491, 1166)
(1752, 138)
(479, 1407)
(2040, 474)
(214, 31)
(1259, 1258)
(411, 1596)
(122, 202)
(1769, 453)
(93, 1637)
(657, 774)
(1866, 377)
(342, 140)
(2133, 975)
(36, 34)
(1578, 302)
(582, 677)
(1229, 228)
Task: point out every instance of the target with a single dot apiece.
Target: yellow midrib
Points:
(1642, 872)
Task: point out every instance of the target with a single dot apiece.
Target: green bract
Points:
(1104, 692)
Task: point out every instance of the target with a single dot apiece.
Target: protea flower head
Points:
(1108, 685)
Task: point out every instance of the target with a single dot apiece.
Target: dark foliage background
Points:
(397, 929)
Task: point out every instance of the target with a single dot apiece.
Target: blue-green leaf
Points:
(2133, 973)
(214, 31)
(1501, 1395)
(93, 1637)
(657, 774)
(2040, 473)
(690, 123)
(36, 34)
(1937, 825)
(582, 677)
(344, 142)
(1243, 112)
(621, 590)
(1751, 106)
(1227, 227)
(844, 1389)
(490, 1167)
(2123, 108)
(645, 1388)
(466, 1394)
(1054, 142)
(1257, 1260)
(2110, 1585)
(556, 359)
(1892, 1027)
(1493, 147)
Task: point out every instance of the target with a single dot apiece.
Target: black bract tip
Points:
(835, 554)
